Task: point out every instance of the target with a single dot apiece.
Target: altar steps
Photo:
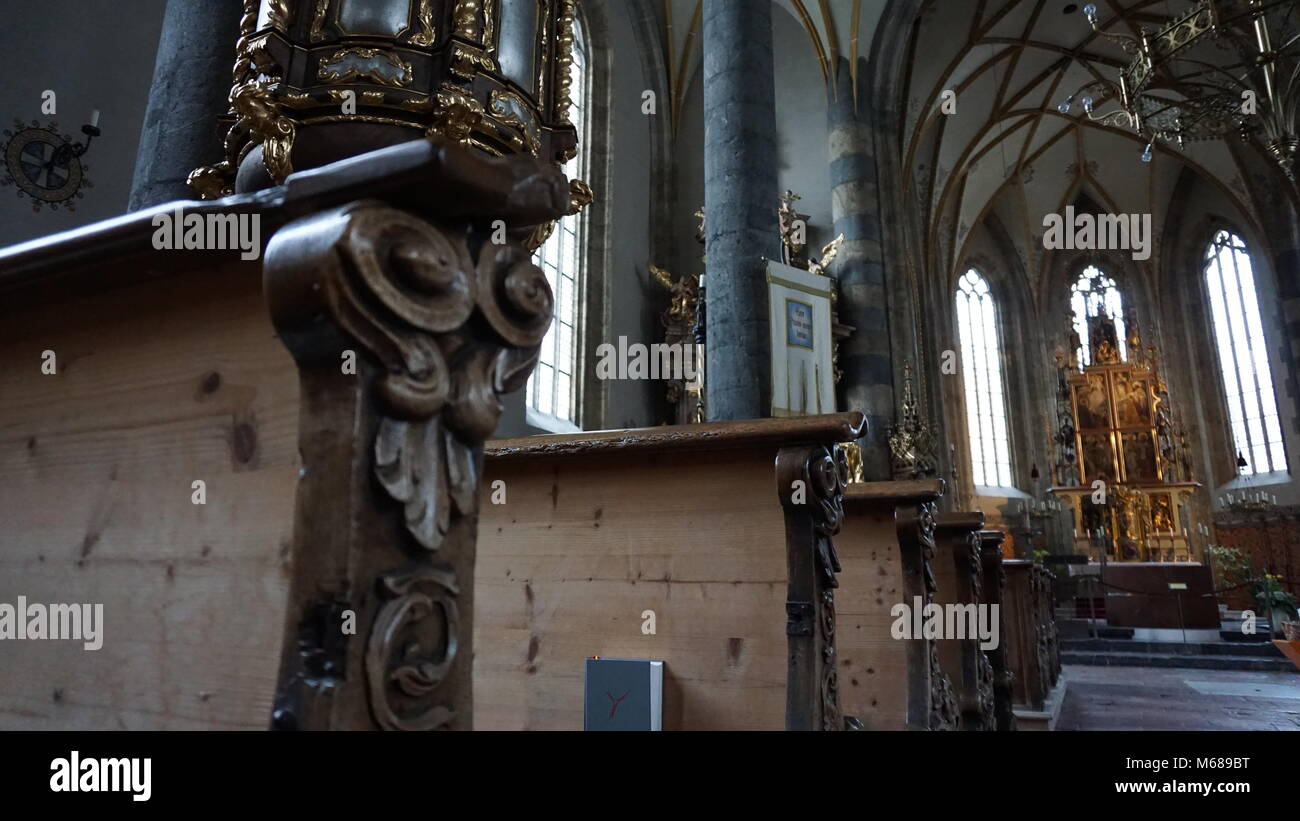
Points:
(1262, 657)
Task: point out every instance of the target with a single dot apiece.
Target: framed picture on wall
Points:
(803, 379)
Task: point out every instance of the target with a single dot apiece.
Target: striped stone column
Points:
(740, 199)
(865, 358)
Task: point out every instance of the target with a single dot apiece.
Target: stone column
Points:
(1286, 267)
(865, 357)
(740, 201)
(191, 86)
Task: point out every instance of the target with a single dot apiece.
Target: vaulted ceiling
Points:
(1007, 150)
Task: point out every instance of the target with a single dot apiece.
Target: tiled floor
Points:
(1147, 698)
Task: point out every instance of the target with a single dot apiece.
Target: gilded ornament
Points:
(278, 15)
(318, 21)
(426, 35)
(564, 63)
(465, 19)
(275, 133)
(580, 196)
(456, 115)
(331, 69)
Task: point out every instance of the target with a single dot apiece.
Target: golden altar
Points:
(1121, 469)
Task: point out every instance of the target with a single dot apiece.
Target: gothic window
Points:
(553, 389)
(986, 409)
(1243, 357)
(1092, 291)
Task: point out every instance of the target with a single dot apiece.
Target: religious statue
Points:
(794, 231)
(1076, 344)
(1104, 339)
(683, 294)
(829, 252)
(679, 322)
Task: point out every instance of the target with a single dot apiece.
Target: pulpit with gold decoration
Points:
(1121, 468)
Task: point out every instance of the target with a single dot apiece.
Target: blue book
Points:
(623, 694)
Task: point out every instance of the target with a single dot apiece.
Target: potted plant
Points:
(1229, 567)
(1273, 600)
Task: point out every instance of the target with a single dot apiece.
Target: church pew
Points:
(1030, 632)
(886, 548)
(993, 586)
(247, 512)
(154, 388)
(1049, 636)
(682, 543)
(959, 576)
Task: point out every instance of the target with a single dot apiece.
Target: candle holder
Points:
(46, 165)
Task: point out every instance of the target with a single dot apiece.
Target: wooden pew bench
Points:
(993, 586)
(1031, 630)
(959, 573)
(275, 538)
(886, 548)
(695, 527)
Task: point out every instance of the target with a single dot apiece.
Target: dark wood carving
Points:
(810, 483)
(977, 704)
(993, 584)
(934, 691)
(441, 324)
(1024, 634)
(1049, 640)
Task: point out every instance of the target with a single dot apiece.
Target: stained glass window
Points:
(1092, 291)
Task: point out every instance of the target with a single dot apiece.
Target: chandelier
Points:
(1224, 68)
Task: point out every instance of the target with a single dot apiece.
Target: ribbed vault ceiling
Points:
(1007, 151)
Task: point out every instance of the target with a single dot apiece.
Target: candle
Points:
(94, 118)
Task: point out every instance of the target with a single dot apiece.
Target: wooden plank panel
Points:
(584, 545)
(159, 384)
(873, 673)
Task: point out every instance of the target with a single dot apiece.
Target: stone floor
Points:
(1150, 698)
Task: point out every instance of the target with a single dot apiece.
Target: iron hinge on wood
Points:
(799, 617)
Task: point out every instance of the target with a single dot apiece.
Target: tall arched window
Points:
(553, 388)
(1093, 290)
(986, 409)
(1243, 358)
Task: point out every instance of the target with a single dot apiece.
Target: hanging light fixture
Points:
(1177, 86)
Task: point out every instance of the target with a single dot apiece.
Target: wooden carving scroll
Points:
(916, 534)
(437, 325)
(810, 483)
